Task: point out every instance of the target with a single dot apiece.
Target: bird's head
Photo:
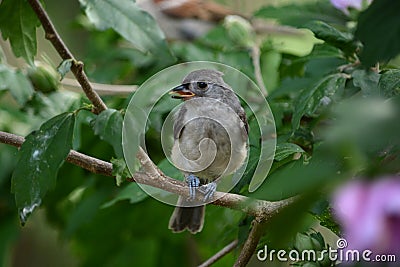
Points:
(201, 83)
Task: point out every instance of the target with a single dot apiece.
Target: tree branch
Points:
(63, 51)
(152, 176)
(100, 88)
(251, 243)
(228, 248)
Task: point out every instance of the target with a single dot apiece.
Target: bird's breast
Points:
(211, 142)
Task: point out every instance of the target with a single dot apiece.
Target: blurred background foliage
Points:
(333, 87)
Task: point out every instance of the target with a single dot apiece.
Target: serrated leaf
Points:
(108, 125)
(120, 170)
(378, 28)
(19, 86)
(131, 22)
(332, 36)
(320, 94)
(298, 15)
(131, 192)
(65, 67)
(367, 80)
(285, 150)
(39, 159)
(389, 83)
(18, 23)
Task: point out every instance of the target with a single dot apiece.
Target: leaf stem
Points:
(255, 56)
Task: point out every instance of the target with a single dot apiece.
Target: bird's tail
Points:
(191, 218)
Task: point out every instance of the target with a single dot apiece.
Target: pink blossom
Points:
(344, 5)
(370, 215)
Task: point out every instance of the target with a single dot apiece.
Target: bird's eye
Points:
(202, 85)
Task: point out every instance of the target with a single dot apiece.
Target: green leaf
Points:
(332, 36)
(131, 192)
(285, 150)
(321, 94)
(131, 22)
(283, 225)
(297, 15)
(327, 220)
(18, 23)
(389, 83)
(39, 159)
(367, 80)
(309, 241)
(243, 184)
(363, 125)
(321, 51)
(65, 67)
(120, 170)
(19, 86)
(299, 177)
(299, 43)
(270, 62)
(108, 125)
(378, 29)
(84, 211)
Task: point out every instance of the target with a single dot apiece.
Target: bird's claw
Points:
(209, 190)
(193, 182)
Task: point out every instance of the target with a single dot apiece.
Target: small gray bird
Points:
(210, 141)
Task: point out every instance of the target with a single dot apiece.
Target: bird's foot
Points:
(208, 190)
(193, 183)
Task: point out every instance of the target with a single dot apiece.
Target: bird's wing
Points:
(242, 116)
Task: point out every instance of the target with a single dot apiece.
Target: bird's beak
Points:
(182, 91)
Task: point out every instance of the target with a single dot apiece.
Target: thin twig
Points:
(228, 248)
(254, 207)
(263, 27)
(255, 56)
(63, 51)
(100, 88)
(251, 243)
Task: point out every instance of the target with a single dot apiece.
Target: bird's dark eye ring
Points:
(202, 85)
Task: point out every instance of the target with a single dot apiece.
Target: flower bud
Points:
(240, 30)
(43, 77)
